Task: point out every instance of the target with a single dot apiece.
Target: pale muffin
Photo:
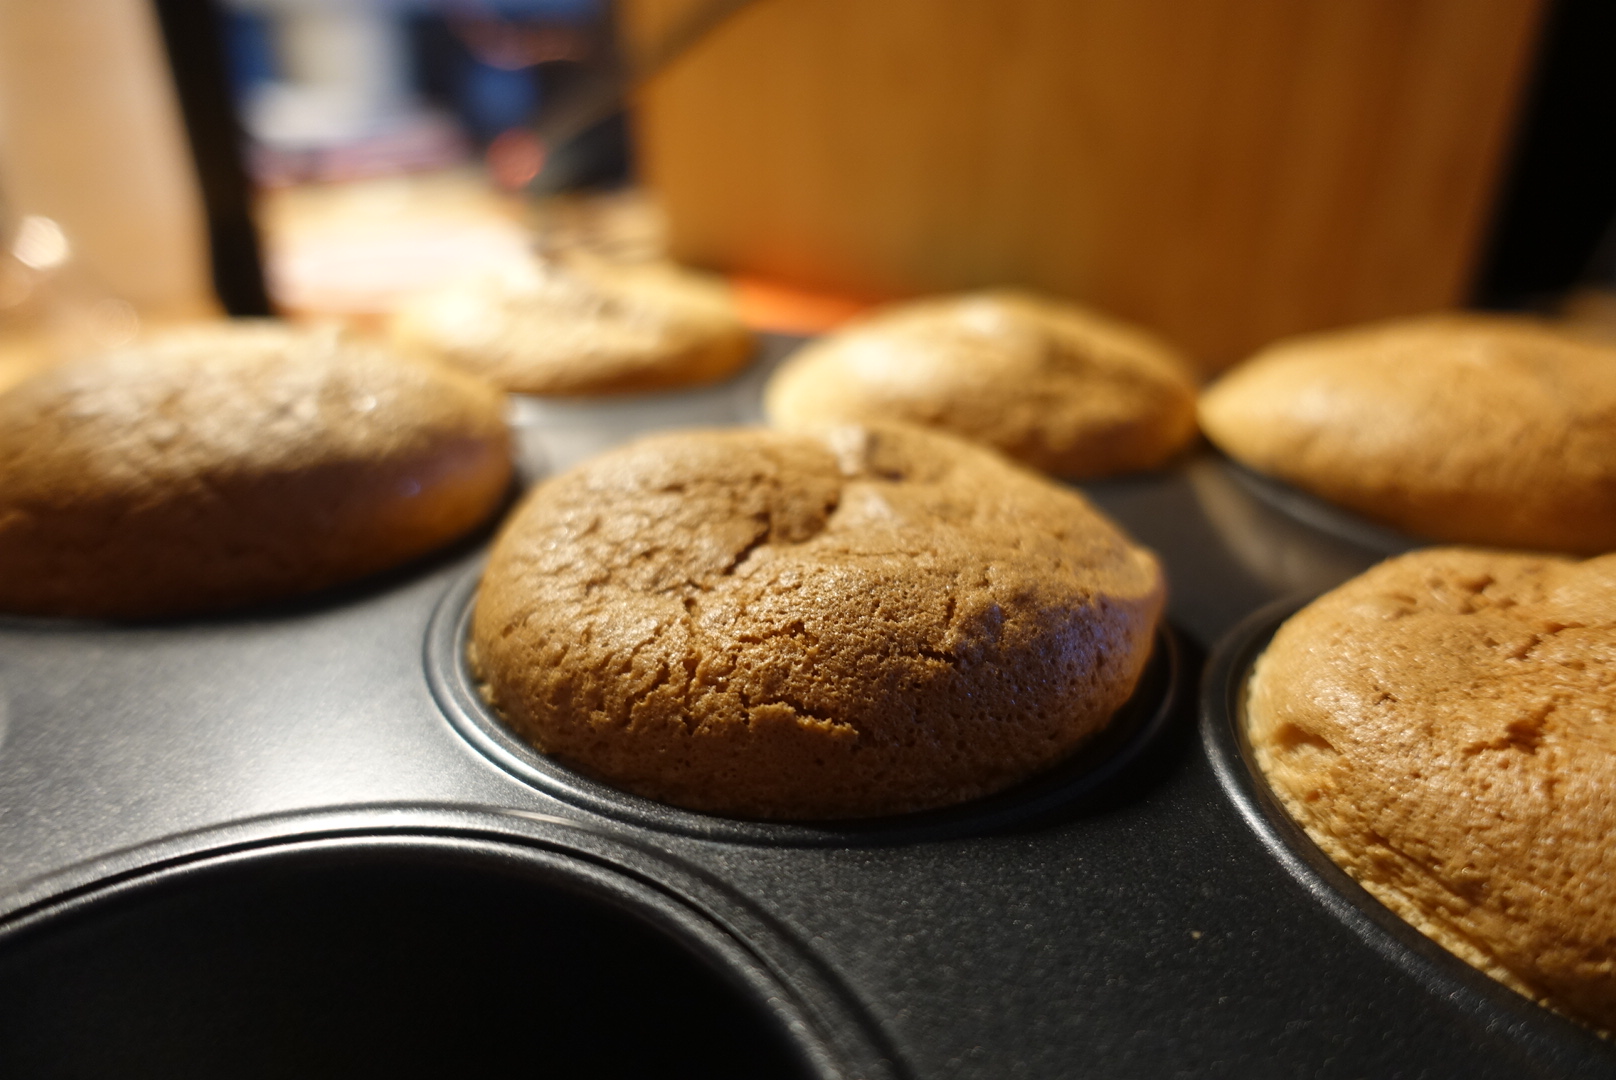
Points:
(1444, 727)
(1462, 428)
(582, 329)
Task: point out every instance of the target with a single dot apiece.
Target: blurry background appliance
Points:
(392, 140)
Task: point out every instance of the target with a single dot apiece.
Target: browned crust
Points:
(771, 625)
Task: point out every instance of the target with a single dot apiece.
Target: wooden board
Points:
(1228, 171)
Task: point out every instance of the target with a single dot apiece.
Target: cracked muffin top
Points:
(582, 328)
(850, 623)
(1058, 387)
(1473, 429)
(232, 464)
(1444, 727)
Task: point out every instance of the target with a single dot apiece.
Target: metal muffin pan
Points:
(219, 832)
(1324, 516)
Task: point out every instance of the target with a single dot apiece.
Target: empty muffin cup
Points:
(390, 956)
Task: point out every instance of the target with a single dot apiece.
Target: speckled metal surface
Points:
(1146, 925)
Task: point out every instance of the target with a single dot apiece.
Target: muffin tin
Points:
(291, 843)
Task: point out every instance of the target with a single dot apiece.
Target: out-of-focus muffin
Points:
(1462, 428)
(1053, 385)
(232, 464)
(582, 328)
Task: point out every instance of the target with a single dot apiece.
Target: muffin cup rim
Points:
(1318, 513)
(724, 930)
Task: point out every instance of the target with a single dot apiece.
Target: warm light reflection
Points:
(40, 243)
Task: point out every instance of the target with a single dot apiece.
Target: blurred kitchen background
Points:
(1226, 171)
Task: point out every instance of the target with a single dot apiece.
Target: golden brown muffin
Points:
(583, 329)
(233, 464)
(853, 623)
(1444, 727)
(1466, 428)
(1062, 389)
